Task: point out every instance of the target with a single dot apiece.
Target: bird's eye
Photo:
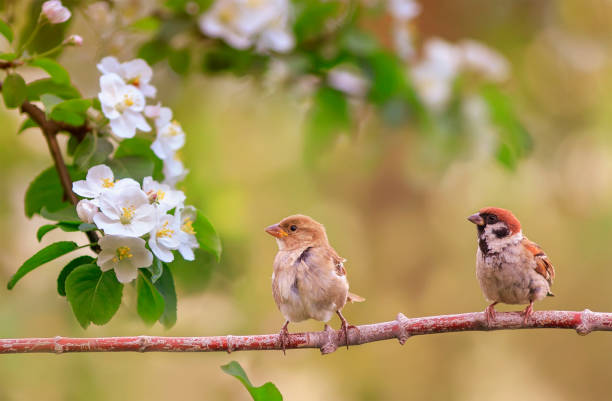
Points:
(491, 219)
(293, 227)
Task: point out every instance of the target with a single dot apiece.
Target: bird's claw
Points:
(345, 328)
(284, 338)
(490, 314)
(527, 313)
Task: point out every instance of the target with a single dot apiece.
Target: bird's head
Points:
(496, 228)
(297, 231)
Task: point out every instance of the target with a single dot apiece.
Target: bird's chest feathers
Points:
(498, 252)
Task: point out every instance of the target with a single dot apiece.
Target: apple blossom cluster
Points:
(128, 214)
(124, 88)
(138, 222)
(244, 23)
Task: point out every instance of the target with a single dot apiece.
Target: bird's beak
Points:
(476, 219)
(276, 231)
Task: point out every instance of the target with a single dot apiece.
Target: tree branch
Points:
(327, 340)
(50, 129)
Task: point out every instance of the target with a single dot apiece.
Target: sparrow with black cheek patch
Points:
(510, 268)
(309, 278)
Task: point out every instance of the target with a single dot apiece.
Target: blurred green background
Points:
(394, 205)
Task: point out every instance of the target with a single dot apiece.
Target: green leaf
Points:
(8, 56)
(141, 147)
(41, 257)
(311, 20)
(267, 392)
(42, 86)
(146, 24)
(165, 286)
(150, 304)
(28, 123)
(135, 167)
(154, 51)
(179, 61)
(73, 264)
(14, 91)
(95, 296)
(207, 236)
(46, 191)
(67, 226)
(515, 141)
(43, 230)
(156, 269)
(92, 151)
(6, 31)
(66, 213)
(57, 73)
(87, 227)
(72, 111)
(329, 117)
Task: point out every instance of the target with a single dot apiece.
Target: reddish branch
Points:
(327, 340)
(50, 129)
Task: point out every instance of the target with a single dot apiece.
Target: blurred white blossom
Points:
(55, 11)
(404, 10)
(348, 81)
(122, 104)
(125, 255)
(244, 23)
(174, 170)
(170, 135)
(484, 60)
(434, 75)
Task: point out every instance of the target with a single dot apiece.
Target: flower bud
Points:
(73, 40)
(55, 12)
(86, 210)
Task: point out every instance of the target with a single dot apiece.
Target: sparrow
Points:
(510, 268)
(309, 278)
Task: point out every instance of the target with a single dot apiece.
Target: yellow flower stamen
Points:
(165, 231)
(127, 214)
(122, 252)
(127, 99)
(188, 226)
(107, 183)
(160, 195)
(135, 81)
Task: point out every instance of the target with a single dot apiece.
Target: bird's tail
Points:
(354, 297)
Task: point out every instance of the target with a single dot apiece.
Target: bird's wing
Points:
(543, 265)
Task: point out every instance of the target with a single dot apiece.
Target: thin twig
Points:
(49, 130)
(327, 340)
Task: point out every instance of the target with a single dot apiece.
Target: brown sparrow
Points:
(510, 268)
(309, 278)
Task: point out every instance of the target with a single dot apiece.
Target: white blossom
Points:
(134, 72)
(483, 59)
(55, 11)
(165, 237)
(161, 195)
(174, 171)
(122, 104)
(348, 81)
(434, 75)
(244, 23)
(404, 10)
(186, 236)
(100, 179)
(125, 255)
(170, 135)
(403, 40)
(125, 212)
(86, 210)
